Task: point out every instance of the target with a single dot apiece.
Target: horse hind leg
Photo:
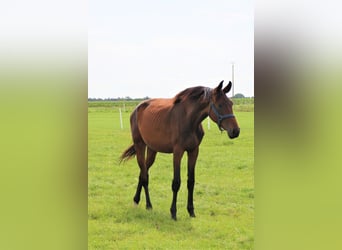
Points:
(143, 176)
(140, 153)
(151, 156)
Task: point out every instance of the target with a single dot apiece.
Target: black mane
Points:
(189, 94)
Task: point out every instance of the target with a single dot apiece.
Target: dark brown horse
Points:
(174, 126)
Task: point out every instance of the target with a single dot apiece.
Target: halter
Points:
(220, 117)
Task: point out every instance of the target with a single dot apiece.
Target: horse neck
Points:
(200, 111)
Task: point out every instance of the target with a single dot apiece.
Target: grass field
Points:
(223, 196)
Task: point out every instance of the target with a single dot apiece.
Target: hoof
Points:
(149, 207)
(173, 213)
(192, 215)
(135, 204)
(136, 200)
(191, 212)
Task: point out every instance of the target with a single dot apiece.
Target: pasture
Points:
(223, 196)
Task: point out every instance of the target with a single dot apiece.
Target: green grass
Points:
(223, 196)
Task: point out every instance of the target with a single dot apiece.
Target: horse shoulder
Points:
(200, 132)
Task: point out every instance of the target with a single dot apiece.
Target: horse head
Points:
(221, 110)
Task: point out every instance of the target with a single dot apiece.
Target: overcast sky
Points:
(158, 48)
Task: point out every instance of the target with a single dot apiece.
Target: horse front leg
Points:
(192, 157)
(176, 182)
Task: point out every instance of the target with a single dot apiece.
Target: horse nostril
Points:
(236, 132)
(233, 133)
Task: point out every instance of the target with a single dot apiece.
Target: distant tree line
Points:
(239, 95)
(127, 98)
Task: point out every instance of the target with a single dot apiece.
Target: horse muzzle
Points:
(233, 133)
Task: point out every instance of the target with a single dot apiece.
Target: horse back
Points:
(151, 123)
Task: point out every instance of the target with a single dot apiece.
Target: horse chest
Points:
(191, 139)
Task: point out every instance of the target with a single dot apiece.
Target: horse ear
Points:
(219, 87)
(228, 87)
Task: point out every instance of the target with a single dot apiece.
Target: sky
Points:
(158, 48)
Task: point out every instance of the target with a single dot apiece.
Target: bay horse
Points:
(174, 126)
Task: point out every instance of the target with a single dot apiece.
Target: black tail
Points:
(128, 154)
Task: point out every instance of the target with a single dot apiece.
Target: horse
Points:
(174, 126)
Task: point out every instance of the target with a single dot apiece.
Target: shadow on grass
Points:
(154, 219)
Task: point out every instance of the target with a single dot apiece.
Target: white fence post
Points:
(121, 124)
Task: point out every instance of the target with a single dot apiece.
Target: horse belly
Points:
(156, 137)
(159, 142)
